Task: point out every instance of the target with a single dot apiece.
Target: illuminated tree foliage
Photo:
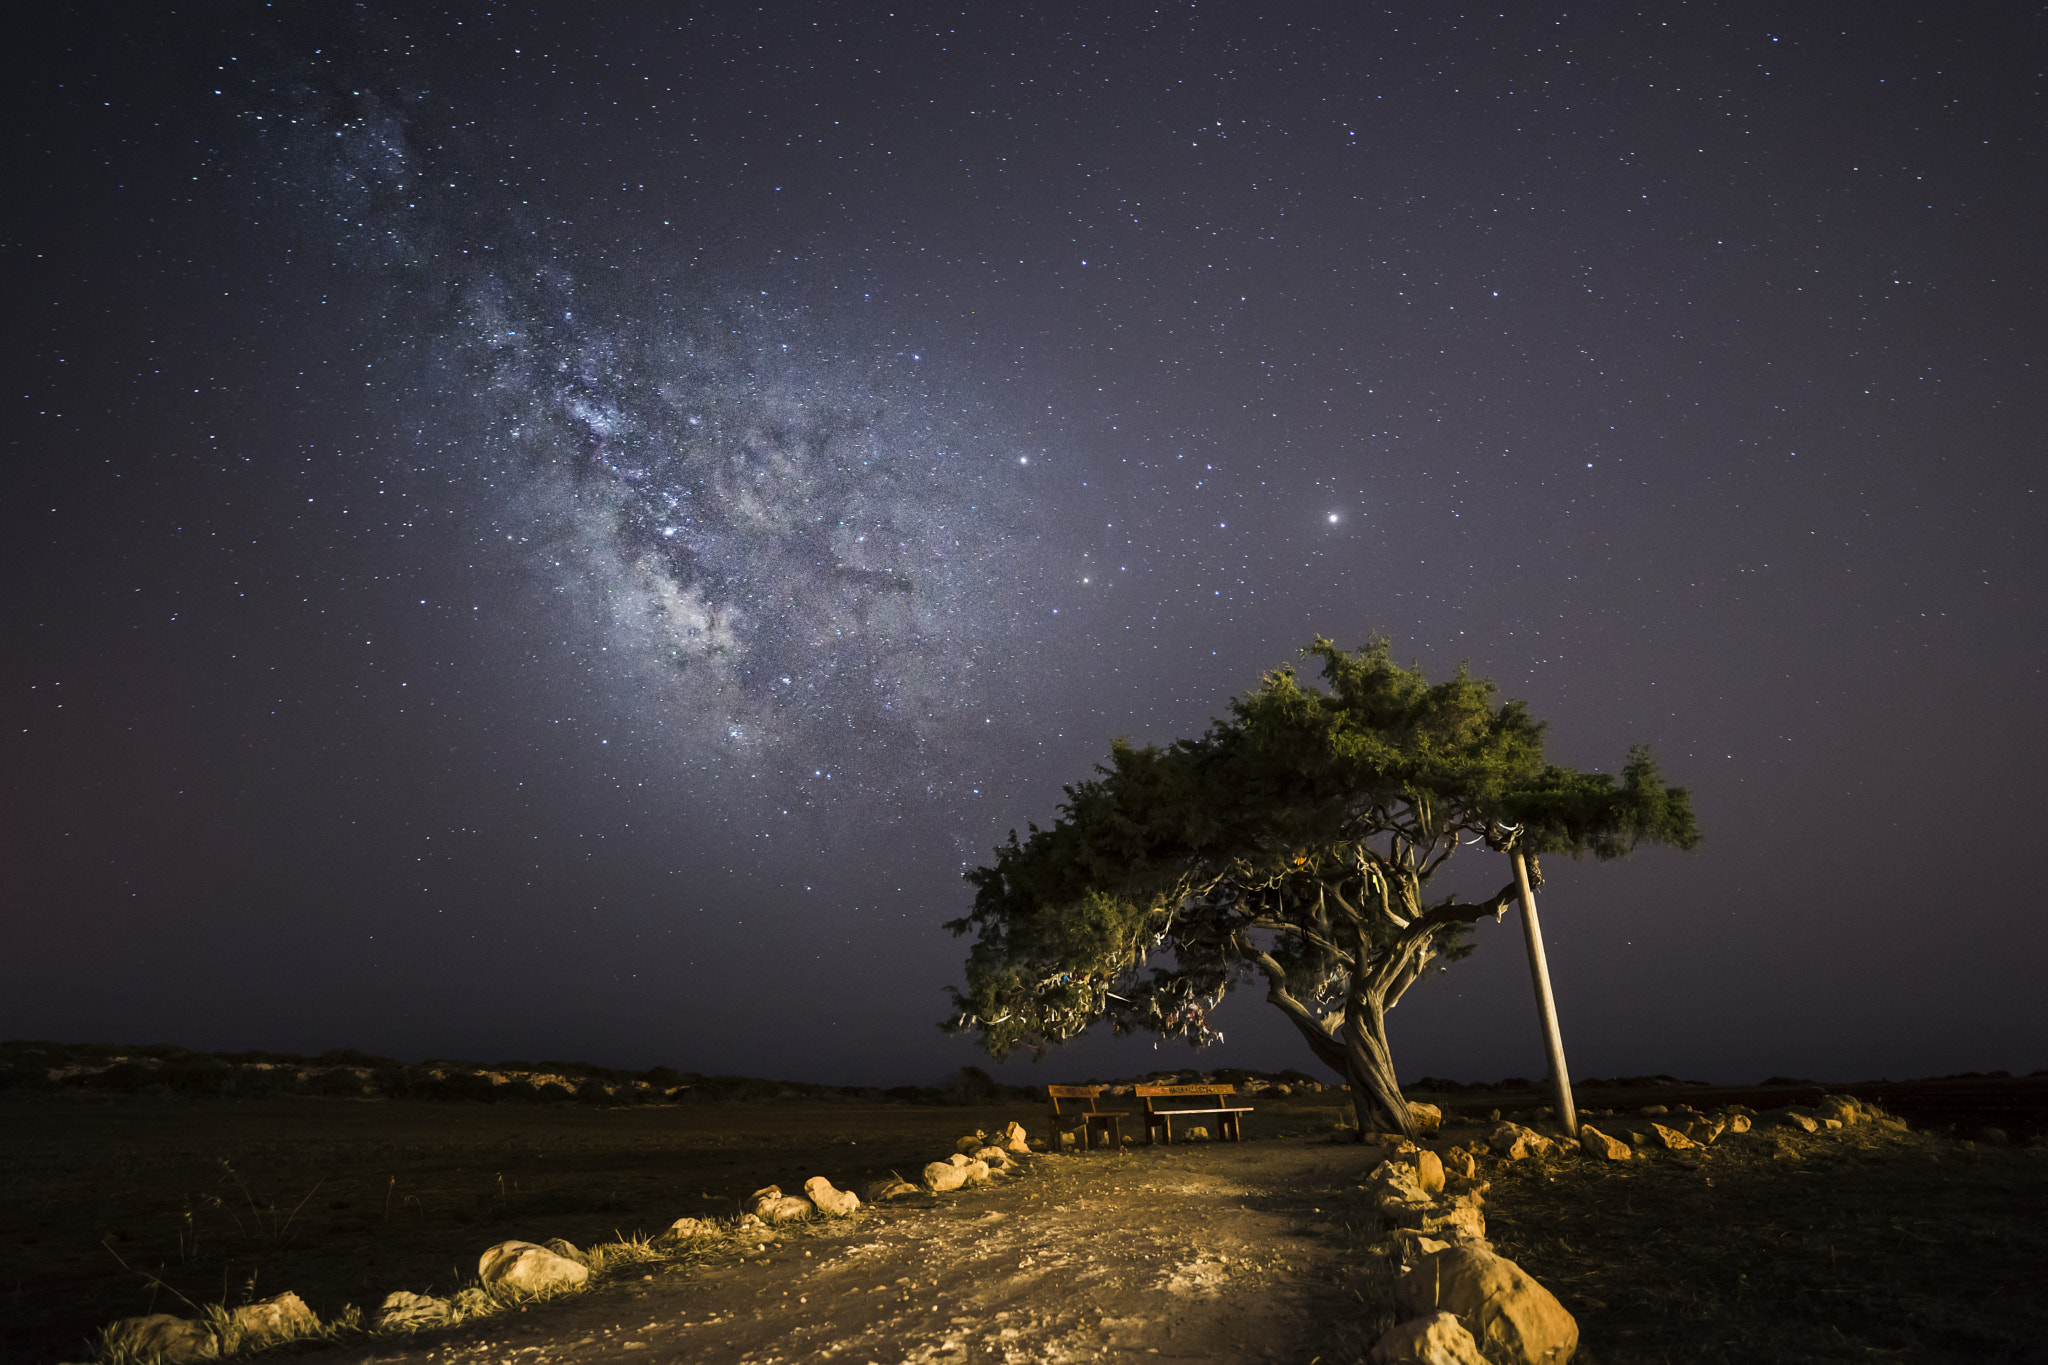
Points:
(1293, 844)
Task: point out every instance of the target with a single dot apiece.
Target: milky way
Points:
(788, 543)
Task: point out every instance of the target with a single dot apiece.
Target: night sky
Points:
(560, 531)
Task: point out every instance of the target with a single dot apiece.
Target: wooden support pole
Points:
(1546, 1005)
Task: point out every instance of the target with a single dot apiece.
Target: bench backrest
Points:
(1202, 1096)
(1078, 1099)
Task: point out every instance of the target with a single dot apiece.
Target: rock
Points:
(1460, 1223)
(684, 1229)
(943, 1176)
(971, 1142)
(284, 1317)
(977, 1172)
(1654, 1109)
(529, 1268)
(1428, 1118)
(178, 1341)
(771, 1205)
(1842, 1108)
(566, 1249)
(1994, 1137)
(1458, 1184)
(1832, 1125)
(830, 1202)
(1597, 1144)
(1704, 1130)
(1016, 1140)
(1509, 1315)
(1738, 1123)
(1429, 1171)
(402, 1310)
(1673, 1140)
(1516, 1143)
(1411, 1246)
(1792, 1118)
(1402, 1202)
(1458, 1161)
(1439, 1339)
(996, 1157)
(894, 1187)
(1396, 1185)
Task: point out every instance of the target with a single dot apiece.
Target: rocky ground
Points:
(1787, 1242)
(1198, 1253)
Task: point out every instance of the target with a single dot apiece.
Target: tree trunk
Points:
(1371, 1063)
(1329, 1051)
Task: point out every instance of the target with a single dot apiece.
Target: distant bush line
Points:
(165, 1069)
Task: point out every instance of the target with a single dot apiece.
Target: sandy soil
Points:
(1205, 1252)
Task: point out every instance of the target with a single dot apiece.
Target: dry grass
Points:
(119, 1207)
(1867, 1244)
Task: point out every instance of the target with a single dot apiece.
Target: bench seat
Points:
(1165, 1103)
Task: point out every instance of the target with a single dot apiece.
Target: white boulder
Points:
(1439, 1339)
(829, 1201)
(284, 1317)
(1672, 1139)
(1516, 1143)
(1597, 1144)
(892, 1186)
(529, 1268)
(1513, 1318)
(175, 1340)
(771, 1205)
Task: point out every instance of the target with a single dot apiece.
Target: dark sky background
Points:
(560, 530)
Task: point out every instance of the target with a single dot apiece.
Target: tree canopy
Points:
(1292, 843)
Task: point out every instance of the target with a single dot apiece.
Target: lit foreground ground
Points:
(1856, 1245)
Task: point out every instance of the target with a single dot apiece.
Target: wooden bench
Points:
(1074, 1108)
(1165, 1103)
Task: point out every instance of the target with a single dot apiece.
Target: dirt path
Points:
(1200, 1253)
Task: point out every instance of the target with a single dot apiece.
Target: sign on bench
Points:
(1165, 1103)
(1074, 1107)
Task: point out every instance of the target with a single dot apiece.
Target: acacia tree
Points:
(1293, 843)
